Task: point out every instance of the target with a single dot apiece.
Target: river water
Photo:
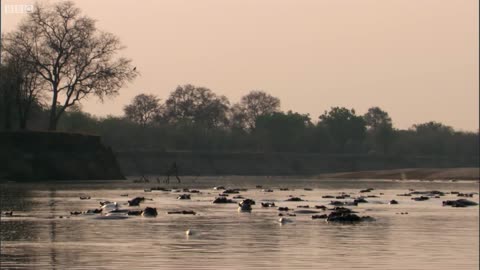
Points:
(42, 234)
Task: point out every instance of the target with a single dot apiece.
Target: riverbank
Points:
(43, 156)
(471, 173)
(151, 162)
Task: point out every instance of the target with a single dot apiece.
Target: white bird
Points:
(189, 232)
(284, 220)
(110, 206)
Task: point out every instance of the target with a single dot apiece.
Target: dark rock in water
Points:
(85, 197)
(238, 197)
(393, 202)
(184, 197)
(75, 213)
(223, 195)
(294, 199)
(184, 212)
(283, 209)
(323, 207)
(328, 197)
(284, 189)
(8, 214)
(323, 216)
(219, 188)
(258, 186)
(421, 198)
(268, 204)
(372, 196)
(194, 191)
(459, 203)
(150, 212)
(134, 212)
(366, 190)
(405, 195)
(308, 189)
(268, 190)
(223, 200)
(303, 206)
(136, 201)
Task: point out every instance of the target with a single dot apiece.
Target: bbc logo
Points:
(17, 9)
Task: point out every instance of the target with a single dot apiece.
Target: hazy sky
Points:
(416, 59)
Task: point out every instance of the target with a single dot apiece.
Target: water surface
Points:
(43, 235)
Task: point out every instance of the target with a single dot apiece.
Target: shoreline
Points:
(469, 173)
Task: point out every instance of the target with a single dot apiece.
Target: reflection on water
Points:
(42, 234)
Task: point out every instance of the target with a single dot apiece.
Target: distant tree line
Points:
(196, 119)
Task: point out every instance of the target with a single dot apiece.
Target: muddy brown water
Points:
(41, 234)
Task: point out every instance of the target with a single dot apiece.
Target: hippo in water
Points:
(285, 220)
(393, 202)
(248, 201)
(223, 200)
(268, 204)
(346, 217)
(136, 201)
(294, 199)
(421, 198)
(183, 212)
(184, 197)
(150, 212)
(246, 205)
(231, 191)
(459, 203)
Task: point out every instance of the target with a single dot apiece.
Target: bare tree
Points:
(29, 88)
(255, 104)
(143, 109)
(68, 52)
